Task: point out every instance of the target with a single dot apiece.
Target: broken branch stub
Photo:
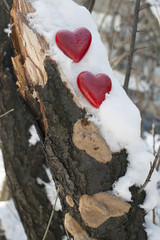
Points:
(86, 137)
(69, 201)
(96, 209)
(30, 48)
(74, 228)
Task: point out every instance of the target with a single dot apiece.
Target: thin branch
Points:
(4, 114)
(91, 4)
(113, 42)
(132, 45)
(153, 216)
(141, 48)
(153, 135)
(52, 213)
(151, 171)
(7, 5)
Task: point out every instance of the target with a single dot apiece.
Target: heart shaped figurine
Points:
(74, 44)
(94, 87)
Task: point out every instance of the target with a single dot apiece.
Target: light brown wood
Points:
(30, 49)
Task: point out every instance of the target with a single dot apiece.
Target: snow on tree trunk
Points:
(81, 171)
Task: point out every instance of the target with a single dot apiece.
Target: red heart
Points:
(94, 87)
(74, 44)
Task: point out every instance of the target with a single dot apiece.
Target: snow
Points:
(9, 219)
(51, 16)
(8, 30)
(11, 222)
(34, 136)
(118, 118)
(50, 190)
(153, 231)
(2, 171)
(149, 140)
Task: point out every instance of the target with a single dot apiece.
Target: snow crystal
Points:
(34, 136)
(118, 118)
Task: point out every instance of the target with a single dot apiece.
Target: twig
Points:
(11, 110)
(151, 171)
(7, 5)
(153, 135)
(52, 213)
(153, 216)
(113, 42)
(91, 3)
(141, 48)
(132, 45)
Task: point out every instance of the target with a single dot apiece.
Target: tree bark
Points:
(53, 109)
(23, 163)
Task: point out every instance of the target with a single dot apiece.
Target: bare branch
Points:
(52, 213)
(132, 45)
(153, 216)
(151, 171)
(91, 4)
(153, 135)
(4, 114)
(7, 5)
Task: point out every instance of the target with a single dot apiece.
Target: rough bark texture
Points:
(75, 171)
(23, 163)
(54, 113)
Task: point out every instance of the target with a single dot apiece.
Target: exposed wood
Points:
(74, 228)
(86, 136)
(96, 209)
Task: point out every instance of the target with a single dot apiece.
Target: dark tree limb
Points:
(23, 163)
(153, 167)
(132, 46)
(91, 5)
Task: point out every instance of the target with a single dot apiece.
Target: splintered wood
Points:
(29, 60)
(30, 51)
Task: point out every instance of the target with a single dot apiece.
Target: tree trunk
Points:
(23, 163)
(85, 180)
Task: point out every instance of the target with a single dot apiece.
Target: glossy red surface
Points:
(74, 44)
(94, 87)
